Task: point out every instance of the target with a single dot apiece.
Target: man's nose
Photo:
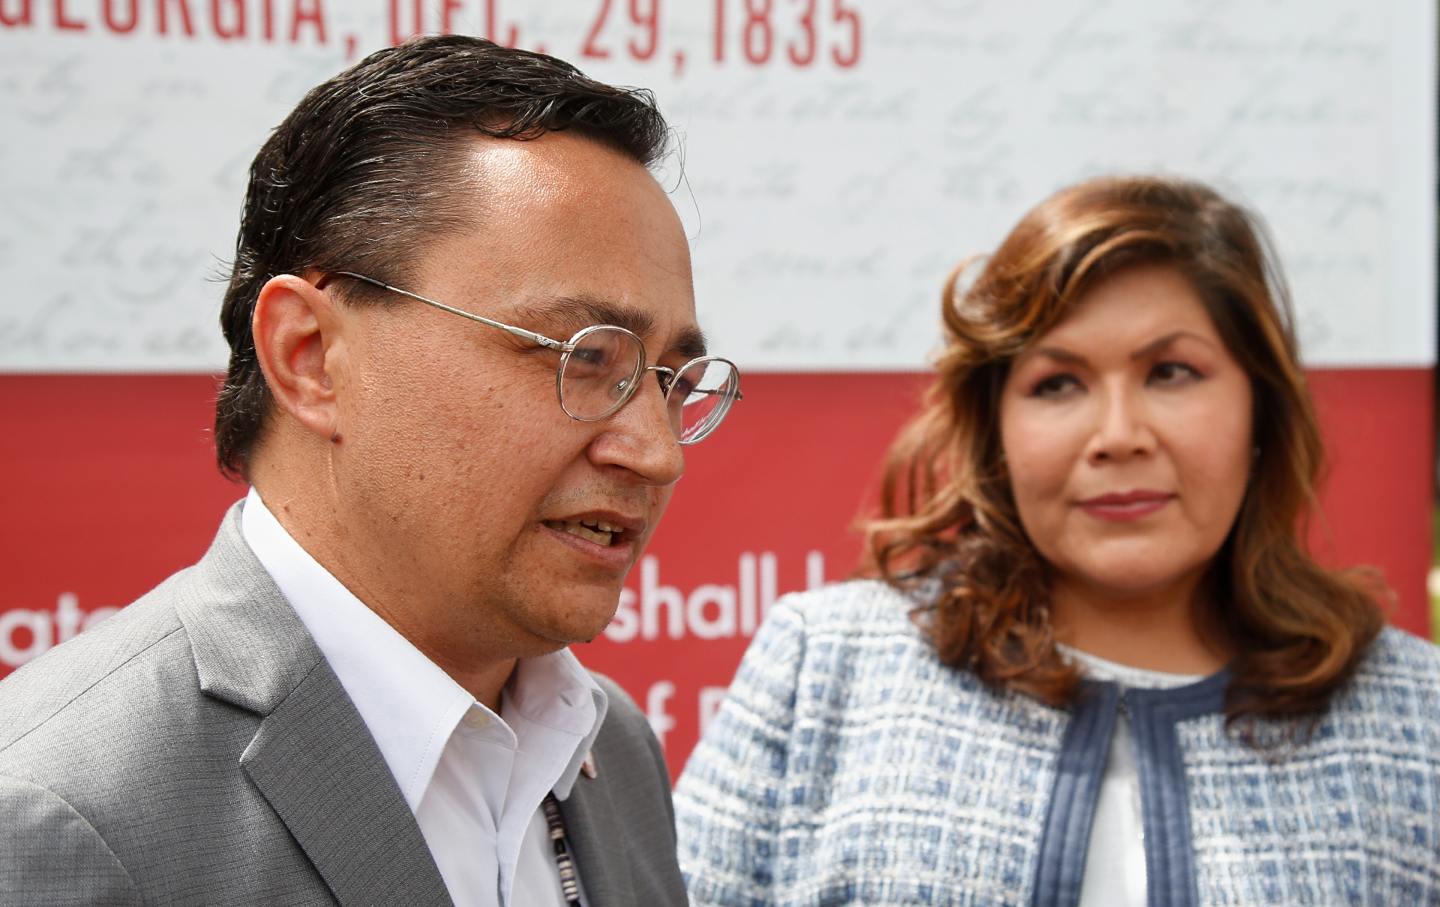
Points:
(639, 438)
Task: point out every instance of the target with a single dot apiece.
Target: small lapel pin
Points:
(587, 765)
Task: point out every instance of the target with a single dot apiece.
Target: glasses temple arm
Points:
(518, 332)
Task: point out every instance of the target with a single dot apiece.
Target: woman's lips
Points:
(1124, 507)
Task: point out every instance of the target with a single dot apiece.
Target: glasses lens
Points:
(600, 373)
(701, 396)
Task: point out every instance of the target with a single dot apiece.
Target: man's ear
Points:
(297, 327)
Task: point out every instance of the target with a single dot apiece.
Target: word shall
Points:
(228, 20)
(708, 611)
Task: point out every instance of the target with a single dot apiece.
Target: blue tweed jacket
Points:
(848, 765)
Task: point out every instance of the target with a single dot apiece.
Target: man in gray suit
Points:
(362, 694)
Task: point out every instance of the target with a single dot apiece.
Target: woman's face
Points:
(1127, 433)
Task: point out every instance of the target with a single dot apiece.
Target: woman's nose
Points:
(1122, 428)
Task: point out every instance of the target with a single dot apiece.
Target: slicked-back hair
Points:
(1298, 629)
(372, 163)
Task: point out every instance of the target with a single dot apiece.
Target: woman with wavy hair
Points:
(1094, 663)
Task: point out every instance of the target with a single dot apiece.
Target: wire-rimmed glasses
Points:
(601, 367)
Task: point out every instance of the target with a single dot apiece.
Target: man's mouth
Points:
(599, 532)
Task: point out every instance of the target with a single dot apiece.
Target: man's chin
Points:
(589, 633)
(580, 624)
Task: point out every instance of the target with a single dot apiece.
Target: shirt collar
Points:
(409, 704)
(1099, 668)
(554, 690)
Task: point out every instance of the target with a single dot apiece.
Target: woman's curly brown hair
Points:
(947, 511)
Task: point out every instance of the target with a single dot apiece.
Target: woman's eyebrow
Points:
(1059, 354)
(1067, 357)
(1161, 343)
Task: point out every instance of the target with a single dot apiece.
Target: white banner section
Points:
(834, 157)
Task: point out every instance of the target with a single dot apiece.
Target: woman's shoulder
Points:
(1400, 670)
(853, 608)
(1398, 655)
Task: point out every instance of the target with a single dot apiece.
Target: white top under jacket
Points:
(1115, 862)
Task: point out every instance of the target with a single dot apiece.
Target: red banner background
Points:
(109, 486)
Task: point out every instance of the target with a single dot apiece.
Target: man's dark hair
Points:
(371, 164)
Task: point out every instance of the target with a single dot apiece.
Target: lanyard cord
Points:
(564, 860)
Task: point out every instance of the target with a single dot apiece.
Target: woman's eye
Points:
(1055, 386)
(1173, 373)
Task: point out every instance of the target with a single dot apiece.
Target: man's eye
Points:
(590, 357)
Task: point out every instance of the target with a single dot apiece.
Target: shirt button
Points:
(476, 720)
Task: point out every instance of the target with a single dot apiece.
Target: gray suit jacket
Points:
(197, 748)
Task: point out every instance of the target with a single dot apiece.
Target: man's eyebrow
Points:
(690, 344)
(567, 314)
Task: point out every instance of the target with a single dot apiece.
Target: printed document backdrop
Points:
(833, 159)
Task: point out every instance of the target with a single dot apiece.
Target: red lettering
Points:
(12, 19)
(399, 34)
(590, 48)
(118, 25)
(234, 29)
(164, 19)
(63, 21)
(314, 15)
(850, 57)
(447, 16)
(228, 20)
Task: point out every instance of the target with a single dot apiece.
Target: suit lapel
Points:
(599, 852)
(318, 767)
(313, 758)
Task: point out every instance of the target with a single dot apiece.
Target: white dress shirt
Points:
(473, 779)
(1115, 863)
